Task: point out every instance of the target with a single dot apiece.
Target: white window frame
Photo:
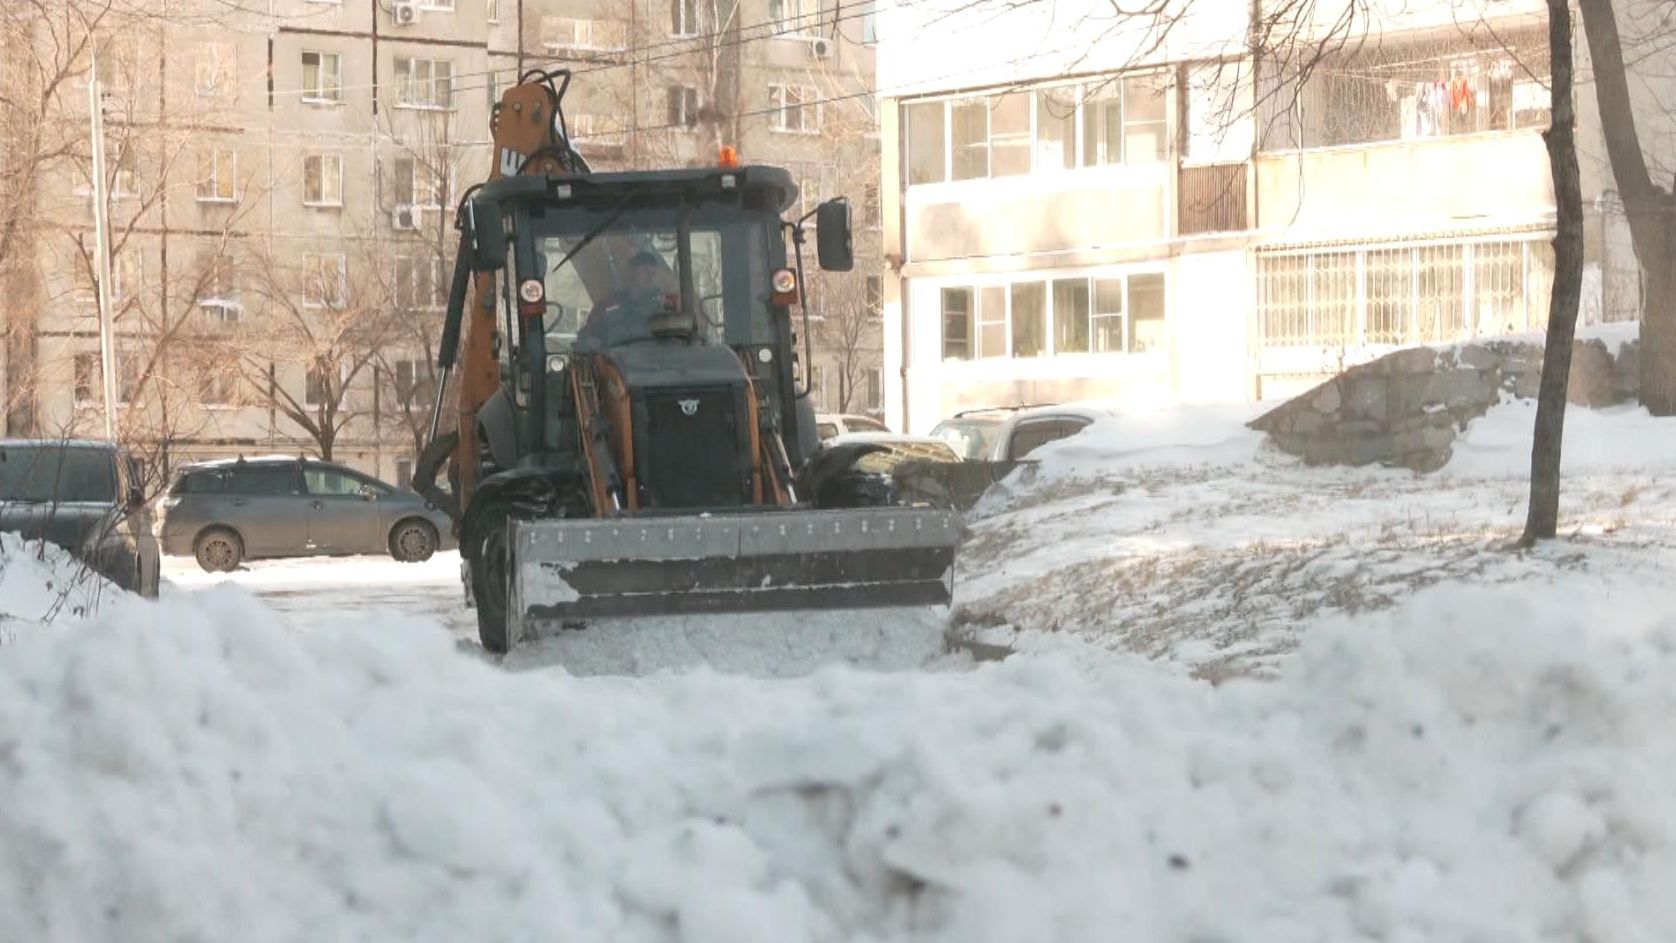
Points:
(406, 81)
(222, 304)
(416, 171)
(437, 6)
(491, 11)
(214, 163)
(687, 122)
(95, 392)
(416, 265)
(679, 23)
(331, 197)
(314, 276)
(977, 320)
(325, 92)
(780, 97)
(584, 34)
(797, 19)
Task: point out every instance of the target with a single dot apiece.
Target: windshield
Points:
(52, 473)
(970, 438)
(623, 285)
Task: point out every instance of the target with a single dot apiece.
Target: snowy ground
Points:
(1456, 741)
(1183, 536)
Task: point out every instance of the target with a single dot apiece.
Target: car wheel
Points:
(218, 550)
(413, 541)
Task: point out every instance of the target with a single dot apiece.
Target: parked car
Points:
(876, 469)
(225, 512)
(828, 425)
(87, 497)
(1008, 434)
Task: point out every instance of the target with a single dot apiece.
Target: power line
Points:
(697, 43)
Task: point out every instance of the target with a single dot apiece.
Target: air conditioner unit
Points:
(820, 48)
(404, 217)
(405, 14)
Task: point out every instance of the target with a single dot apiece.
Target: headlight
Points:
(555, 363)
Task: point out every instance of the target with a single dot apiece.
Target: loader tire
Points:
(490, 581)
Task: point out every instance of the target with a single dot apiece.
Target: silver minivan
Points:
(226, 512)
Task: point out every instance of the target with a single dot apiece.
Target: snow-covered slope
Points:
(40, 583)
(1474, 764)
(1181, 535)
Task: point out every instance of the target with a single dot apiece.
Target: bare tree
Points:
(1543, 517)
(328, 317)
(1649, 208)
(848, 334)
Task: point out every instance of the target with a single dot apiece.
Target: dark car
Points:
(226, 512)
(86, 497)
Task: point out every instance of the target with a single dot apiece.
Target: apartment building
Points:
(1090, 212)
(281, 179)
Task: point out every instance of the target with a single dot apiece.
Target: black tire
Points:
(412, 541)
(218, 550)
(490, 580)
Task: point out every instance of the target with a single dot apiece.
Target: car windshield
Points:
(50, 473)
(623, 284)
(970, 438)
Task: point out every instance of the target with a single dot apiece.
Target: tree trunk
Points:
(1543, 519)
(1650, 210)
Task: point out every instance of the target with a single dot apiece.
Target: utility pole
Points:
(102, 248)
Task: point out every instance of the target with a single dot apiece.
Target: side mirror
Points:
(487, 232)
(832, 236)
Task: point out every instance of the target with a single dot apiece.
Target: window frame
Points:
(314, 274)
(216, 76)
(322, 93)
(683, 18)
(801, 24)
(1004, 287)
(322, 202)
(682, 116)
(779, 96)
(405, 68)
(210, 157)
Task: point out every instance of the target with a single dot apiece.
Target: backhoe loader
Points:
(630, 422)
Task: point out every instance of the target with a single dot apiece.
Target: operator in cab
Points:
(631, 312)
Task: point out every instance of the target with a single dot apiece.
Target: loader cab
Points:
(621, 263)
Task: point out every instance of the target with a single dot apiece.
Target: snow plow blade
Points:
(575, 570)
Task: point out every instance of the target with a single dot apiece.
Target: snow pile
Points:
(1474, 766)
(1498, 444)
(42, 583)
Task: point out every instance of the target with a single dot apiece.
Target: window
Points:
(322, 180)
(795, 16)
(418, 185)
(491, 10)
(126, 180)
(1031, 435)
(88, 378)
(565, 32)
(127, 275)
(683, 107)
(1066, 315)
(795, 108)
(870, 215)
(815, 182)
(316, 390)
(870, 23)
(424, 83)
(599, 131)
(957, 323)
(1056, 128)
(264, 479)
(683, 16)
(330, 483)
(1070, 316)
(118, 64)
(925, 143)
(412, 381)
(325, 281)
(969, 140)
(322, 77)
(992, 321)
(1146, 312)
(1029, 319)
(875, 295)
(420, 283)
(436, 4)
(217, 382)
(1144, 120)
(218, 291)
(1009, 135)
(404, 473)
(217, 70)
(217, 171)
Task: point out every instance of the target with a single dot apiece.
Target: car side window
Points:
(270, 480)
(325, 481)
(1032, 435)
